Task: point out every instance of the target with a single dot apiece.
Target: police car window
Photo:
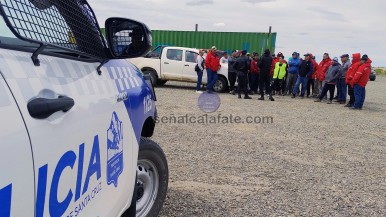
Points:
(190, 56)
(4, 30)
(174, 54)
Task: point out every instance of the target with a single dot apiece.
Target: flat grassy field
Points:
(380, 71)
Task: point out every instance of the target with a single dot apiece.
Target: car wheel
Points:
(153, 77)
(152, 179)
(372, 79)
(221, 85)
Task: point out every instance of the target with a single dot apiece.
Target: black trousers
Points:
(330, 88)
(310, 86)
(265, 84)
(242, 85)
(232, 80)
(276, 84)
(351, 94)
(284, 84)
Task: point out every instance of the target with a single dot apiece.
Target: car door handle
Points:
(166, 63)
(41, 108)
(187, 65)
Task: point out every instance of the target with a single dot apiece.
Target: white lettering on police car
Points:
(114, 150)
(57, 208)
(121, 96)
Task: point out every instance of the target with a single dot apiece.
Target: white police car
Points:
(75, 114)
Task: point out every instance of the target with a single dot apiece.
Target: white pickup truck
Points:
(167, 63)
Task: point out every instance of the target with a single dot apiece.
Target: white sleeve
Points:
(199, 62)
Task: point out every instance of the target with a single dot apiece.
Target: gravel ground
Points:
(315, 159)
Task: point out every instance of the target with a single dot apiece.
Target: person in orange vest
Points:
(359, 82)
(356, 58)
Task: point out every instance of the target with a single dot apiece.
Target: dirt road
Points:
(315, 159)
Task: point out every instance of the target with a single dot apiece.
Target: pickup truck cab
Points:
(76, 115)
(167, 63)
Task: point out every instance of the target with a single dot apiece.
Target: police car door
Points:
(16, 164)
(79, 126)
(79, 153)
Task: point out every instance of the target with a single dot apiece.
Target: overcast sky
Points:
(333, 26)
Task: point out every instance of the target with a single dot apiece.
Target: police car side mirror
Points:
(127, 38)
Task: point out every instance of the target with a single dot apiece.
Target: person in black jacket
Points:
(232, 74)
(242, 66)
(265, 65)
(305, 70)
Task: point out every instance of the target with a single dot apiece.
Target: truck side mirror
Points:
(127, 38)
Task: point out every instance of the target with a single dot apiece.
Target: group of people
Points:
(273, 75)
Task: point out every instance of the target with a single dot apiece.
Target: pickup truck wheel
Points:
(152, 178)
(221, 85)
(153, 77)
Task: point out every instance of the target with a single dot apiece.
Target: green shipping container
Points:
(226, 41)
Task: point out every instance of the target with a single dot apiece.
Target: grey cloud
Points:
(257, 1)
(199, 2)
(329, 14)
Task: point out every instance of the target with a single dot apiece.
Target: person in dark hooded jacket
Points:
(331, 78)
(242, 66)
(305, 70)
(265, 64)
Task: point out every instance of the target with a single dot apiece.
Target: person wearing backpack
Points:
(242, 65)
(200, 70)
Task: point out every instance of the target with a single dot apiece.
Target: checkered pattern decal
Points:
(63, 76)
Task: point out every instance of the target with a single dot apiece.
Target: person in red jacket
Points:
(359, 81)
(254, 72)
(311, 78)
(212, 63)
(321, 73)
(356, 57)
(275, 59)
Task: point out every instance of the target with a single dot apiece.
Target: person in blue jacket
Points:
(293, 71)
(305, 70)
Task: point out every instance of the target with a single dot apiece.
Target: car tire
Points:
(152, 180)
(153, 77)
(372, 79)
(221, 85)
